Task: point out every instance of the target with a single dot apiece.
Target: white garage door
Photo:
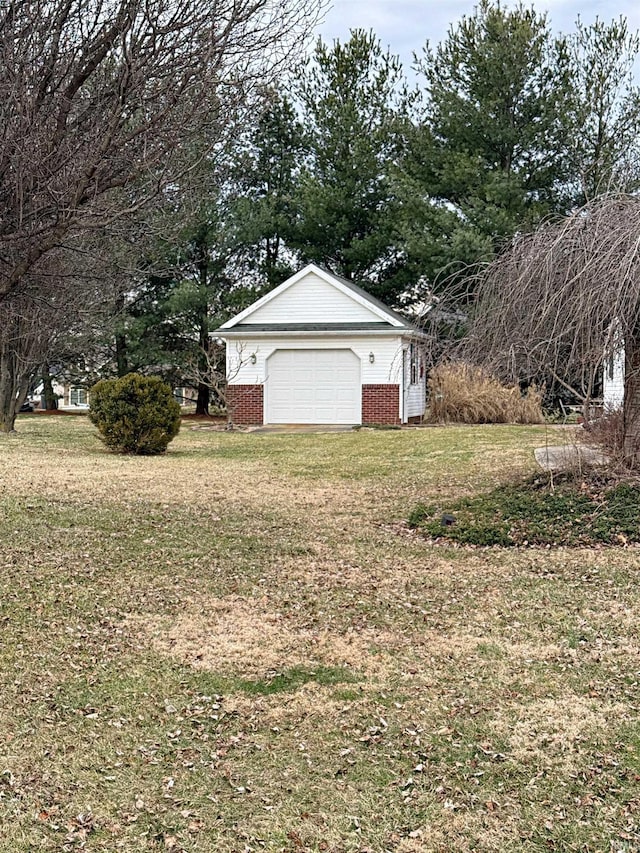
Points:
(313, 387)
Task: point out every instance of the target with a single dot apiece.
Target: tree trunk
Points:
(631, 411)
(23, 390)
(202, 403)
(122, 362)
(8, 391)
(204, 393)
(50, 399)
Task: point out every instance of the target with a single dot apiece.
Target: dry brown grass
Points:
(239, 637)
(552, 728)
(466, 394)
(149, 607)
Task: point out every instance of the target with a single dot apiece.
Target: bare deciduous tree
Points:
(21, 347)
(103, 104)
(216, 368)
(30, 325)
(561, 299)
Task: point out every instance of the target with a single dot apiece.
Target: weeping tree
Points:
(562, 300)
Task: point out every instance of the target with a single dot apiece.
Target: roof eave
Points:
(392, 332)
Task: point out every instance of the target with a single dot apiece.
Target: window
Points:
(77, 396)
(185, 395)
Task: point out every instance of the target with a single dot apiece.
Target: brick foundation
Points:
(245, 404)
(380, 404)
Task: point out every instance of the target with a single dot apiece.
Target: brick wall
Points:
(380, 404)
(245, 404)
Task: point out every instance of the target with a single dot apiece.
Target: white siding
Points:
(312, 300)
(386, 367)
(613, 382)
(416, 399)
(415, 394)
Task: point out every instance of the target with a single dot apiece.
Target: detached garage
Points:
(319, 350)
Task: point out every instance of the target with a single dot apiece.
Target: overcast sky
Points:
(405, 25)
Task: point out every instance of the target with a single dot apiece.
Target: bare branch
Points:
(104, 100)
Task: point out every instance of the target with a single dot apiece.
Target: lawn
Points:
(241, 646)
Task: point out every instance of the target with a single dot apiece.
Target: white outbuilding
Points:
(613, 370)
(320, 350)
(613, 381)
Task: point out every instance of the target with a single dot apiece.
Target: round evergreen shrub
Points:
(135, 414)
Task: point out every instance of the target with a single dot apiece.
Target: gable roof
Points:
(381, 316)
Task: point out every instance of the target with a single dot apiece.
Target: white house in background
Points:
(77, 397)
(320, 350)
(70, 397)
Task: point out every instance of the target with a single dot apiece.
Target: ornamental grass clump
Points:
(135, 414)
(466, 394)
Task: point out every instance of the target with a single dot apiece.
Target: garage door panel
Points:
(343, 395)
(325, 374)
(313, 386)
(326, 395)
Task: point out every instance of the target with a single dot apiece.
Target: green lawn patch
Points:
(284, 681)
(535, 512)
(291, 679)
